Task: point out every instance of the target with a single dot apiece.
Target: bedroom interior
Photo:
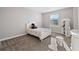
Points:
(39, 28)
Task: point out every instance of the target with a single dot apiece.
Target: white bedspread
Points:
(39, 32)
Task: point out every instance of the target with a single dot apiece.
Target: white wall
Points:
(34, 17)
(78, 18)
(75, 17)
(12, 21)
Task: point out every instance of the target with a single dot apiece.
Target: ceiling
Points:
(45, 9)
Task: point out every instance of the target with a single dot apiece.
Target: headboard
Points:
(29, 24)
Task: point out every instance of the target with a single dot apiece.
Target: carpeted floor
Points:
(31, 43)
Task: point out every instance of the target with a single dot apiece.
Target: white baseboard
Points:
(11, 37)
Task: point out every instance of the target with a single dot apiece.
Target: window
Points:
(54, 18)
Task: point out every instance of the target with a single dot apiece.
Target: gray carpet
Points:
(31, 43)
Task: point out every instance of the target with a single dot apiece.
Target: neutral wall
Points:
(64, 13)
(12, 21)
(78, 18)
(34, 17)
(75, 17)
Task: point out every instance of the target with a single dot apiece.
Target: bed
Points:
(41, 33)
